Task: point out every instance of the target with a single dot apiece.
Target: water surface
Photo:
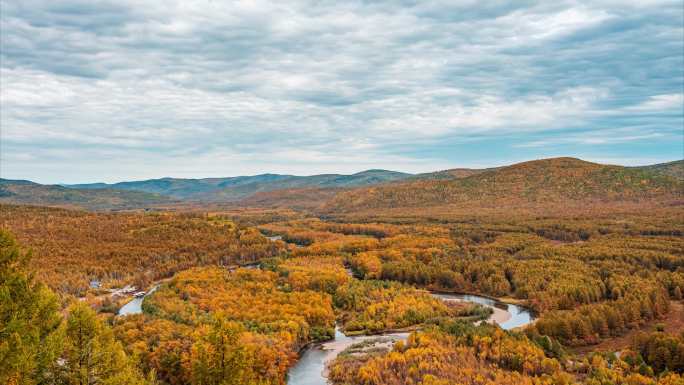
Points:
(310, 369)
(134, 306)
(518, 315)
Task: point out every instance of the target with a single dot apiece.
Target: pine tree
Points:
(218, 357)
(29, 321)
(91, 354)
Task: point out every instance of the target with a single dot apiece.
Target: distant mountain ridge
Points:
(27, 192)
(236, 188)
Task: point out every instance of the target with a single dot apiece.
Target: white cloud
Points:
(538, 26)
(601, 137)
(660, 103)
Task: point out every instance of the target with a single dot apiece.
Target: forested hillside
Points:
(71, 248)
(674, 169)
(310, 199)
(542, 182)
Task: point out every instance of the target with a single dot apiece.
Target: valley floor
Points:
(593, 280)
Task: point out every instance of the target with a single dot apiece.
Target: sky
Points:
(126, 90)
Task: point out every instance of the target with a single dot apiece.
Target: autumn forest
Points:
(511, 276)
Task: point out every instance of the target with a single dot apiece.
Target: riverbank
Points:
(310, 369)
(499, 316)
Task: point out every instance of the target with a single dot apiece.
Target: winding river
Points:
(310, 369)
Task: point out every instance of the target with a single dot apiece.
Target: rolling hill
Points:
(540, 182)
(26, 192)
(299, 199)
(450, 174)
(241, 187)
(674, 169)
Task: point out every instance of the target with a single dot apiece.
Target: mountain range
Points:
(27, 192)
(539, 181)
(235, 188)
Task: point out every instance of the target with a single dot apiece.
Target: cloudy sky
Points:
(121, 90)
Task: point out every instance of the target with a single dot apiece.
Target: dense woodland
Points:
(210, 325)
(458, 353)
(71, 248)
(606, 278)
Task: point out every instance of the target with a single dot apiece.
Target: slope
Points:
(674, 169)
(548, 181)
